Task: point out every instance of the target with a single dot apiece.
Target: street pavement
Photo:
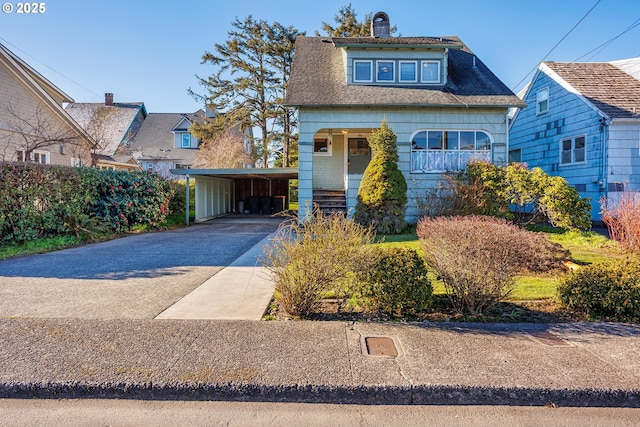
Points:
(61, 338)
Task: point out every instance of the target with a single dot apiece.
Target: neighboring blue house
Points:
(444, 105)
(582, 122)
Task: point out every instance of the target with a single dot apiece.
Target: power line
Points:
(557, 44)
(55, 71)
(607, 43)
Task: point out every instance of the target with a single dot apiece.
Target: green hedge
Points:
(43, 200)
(604, 290)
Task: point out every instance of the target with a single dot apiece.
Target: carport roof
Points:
(246, 173)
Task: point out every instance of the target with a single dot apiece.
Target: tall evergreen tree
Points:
(348, 24)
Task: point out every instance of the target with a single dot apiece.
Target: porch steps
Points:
(330, 201)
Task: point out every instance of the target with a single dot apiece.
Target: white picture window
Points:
(448, 150)
(385, 71)
(408, 71)
(573, 150)
(542, 101)
(430, 72)
(362, 71)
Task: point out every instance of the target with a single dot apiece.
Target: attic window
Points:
(362, 71)
(542, 101)
(385, 71)
(186, 140)
(408, 71)
(430, 72)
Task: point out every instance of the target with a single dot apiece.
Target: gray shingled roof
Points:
(611, 90)
(318, 79)
(156, 140)
(430, 42)
(113, 121)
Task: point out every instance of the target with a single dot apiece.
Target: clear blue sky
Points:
(150, 50)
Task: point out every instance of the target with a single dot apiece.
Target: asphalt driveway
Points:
(137, 276)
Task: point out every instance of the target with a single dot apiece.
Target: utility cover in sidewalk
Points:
(549, 339)
(381, 346)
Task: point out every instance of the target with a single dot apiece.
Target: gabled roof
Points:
(108, 124)
(318, 77)
(43, 90)
(630, 66)
(606, 87)
(187, 120)
(156, 140)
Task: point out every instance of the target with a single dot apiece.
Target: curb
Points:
(361, 395)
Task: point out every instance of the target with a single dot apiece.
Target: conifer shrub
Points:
(396, 283)
(609, 289)
(307, 260)
(382, 196)
(477, 257)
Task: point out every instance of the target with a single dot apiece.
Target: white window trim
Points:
(415, 65)
(430, 61)
(327, 153)
(182, 145)
(393, 70)
(538, 93)
(370, 62)
(426, 150)
(573, 150)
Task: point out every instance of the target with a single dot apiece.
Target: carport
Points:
(243, 191)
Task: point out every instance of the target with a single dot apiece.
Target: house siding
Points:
(404, 122)
(539, 136)
(329, 170)
(214, 196)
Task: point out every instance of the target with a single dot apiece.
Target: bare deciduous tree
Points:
(24, 132)
(225, 151)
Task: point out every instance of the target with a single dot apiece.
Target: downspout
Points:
(604, 138)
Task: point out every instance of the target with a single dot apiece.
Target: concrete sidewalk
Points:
(585, 364)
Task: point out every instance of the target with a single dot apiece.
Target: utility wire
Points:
(55, 71)
(607, 43)
(557, 44)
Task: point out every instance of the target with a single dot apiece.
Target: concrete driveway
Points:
(137, 276)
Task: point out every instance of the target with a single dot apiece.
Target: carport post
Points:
(187, 203)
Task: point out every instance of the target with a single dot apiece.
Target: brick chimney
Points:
(380, 27)
(108, 99)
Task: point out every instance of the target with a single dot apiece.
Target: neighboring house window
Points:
(430, 72)
(440, 150)
(148, 166)
(408, 71)
(36, 156)
(362, 71)
(542, 101)
(572, 150)
(76, 162)
(321, 147)
(515, 156)
(385, 71)
(181, 166)
(186, 140)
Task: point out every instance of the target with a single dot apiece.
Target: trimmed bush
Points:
(477, 257)
(396, 283)
(306, 260)
(611, 289)
(382, 196)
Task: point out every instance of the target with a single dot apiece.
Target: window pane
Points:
(465, 158)
(362, 71)
(580, 142)
(566, 145)
(431, 71)
(435, 160)
(419, 161)
(385, 71)
(482, 141)
(451, 140)
(419, 141)
(435, 140)
(566, 157)
(467, 141)
(408, 71)
(579, 155)
(451, 160)
(320, 146)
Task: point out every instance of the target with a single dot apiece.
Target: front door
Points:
(359, 155)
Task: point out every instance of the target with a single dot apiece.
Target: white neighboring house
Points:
(33, 123)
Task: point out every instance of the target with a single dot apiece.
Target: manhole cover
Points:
(550, 339)
(381, 346)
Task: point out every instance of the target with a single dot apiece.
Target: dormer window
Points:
(186, 140)
(408, 71)
(430, 72)
(362, 71)
(385, 71)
